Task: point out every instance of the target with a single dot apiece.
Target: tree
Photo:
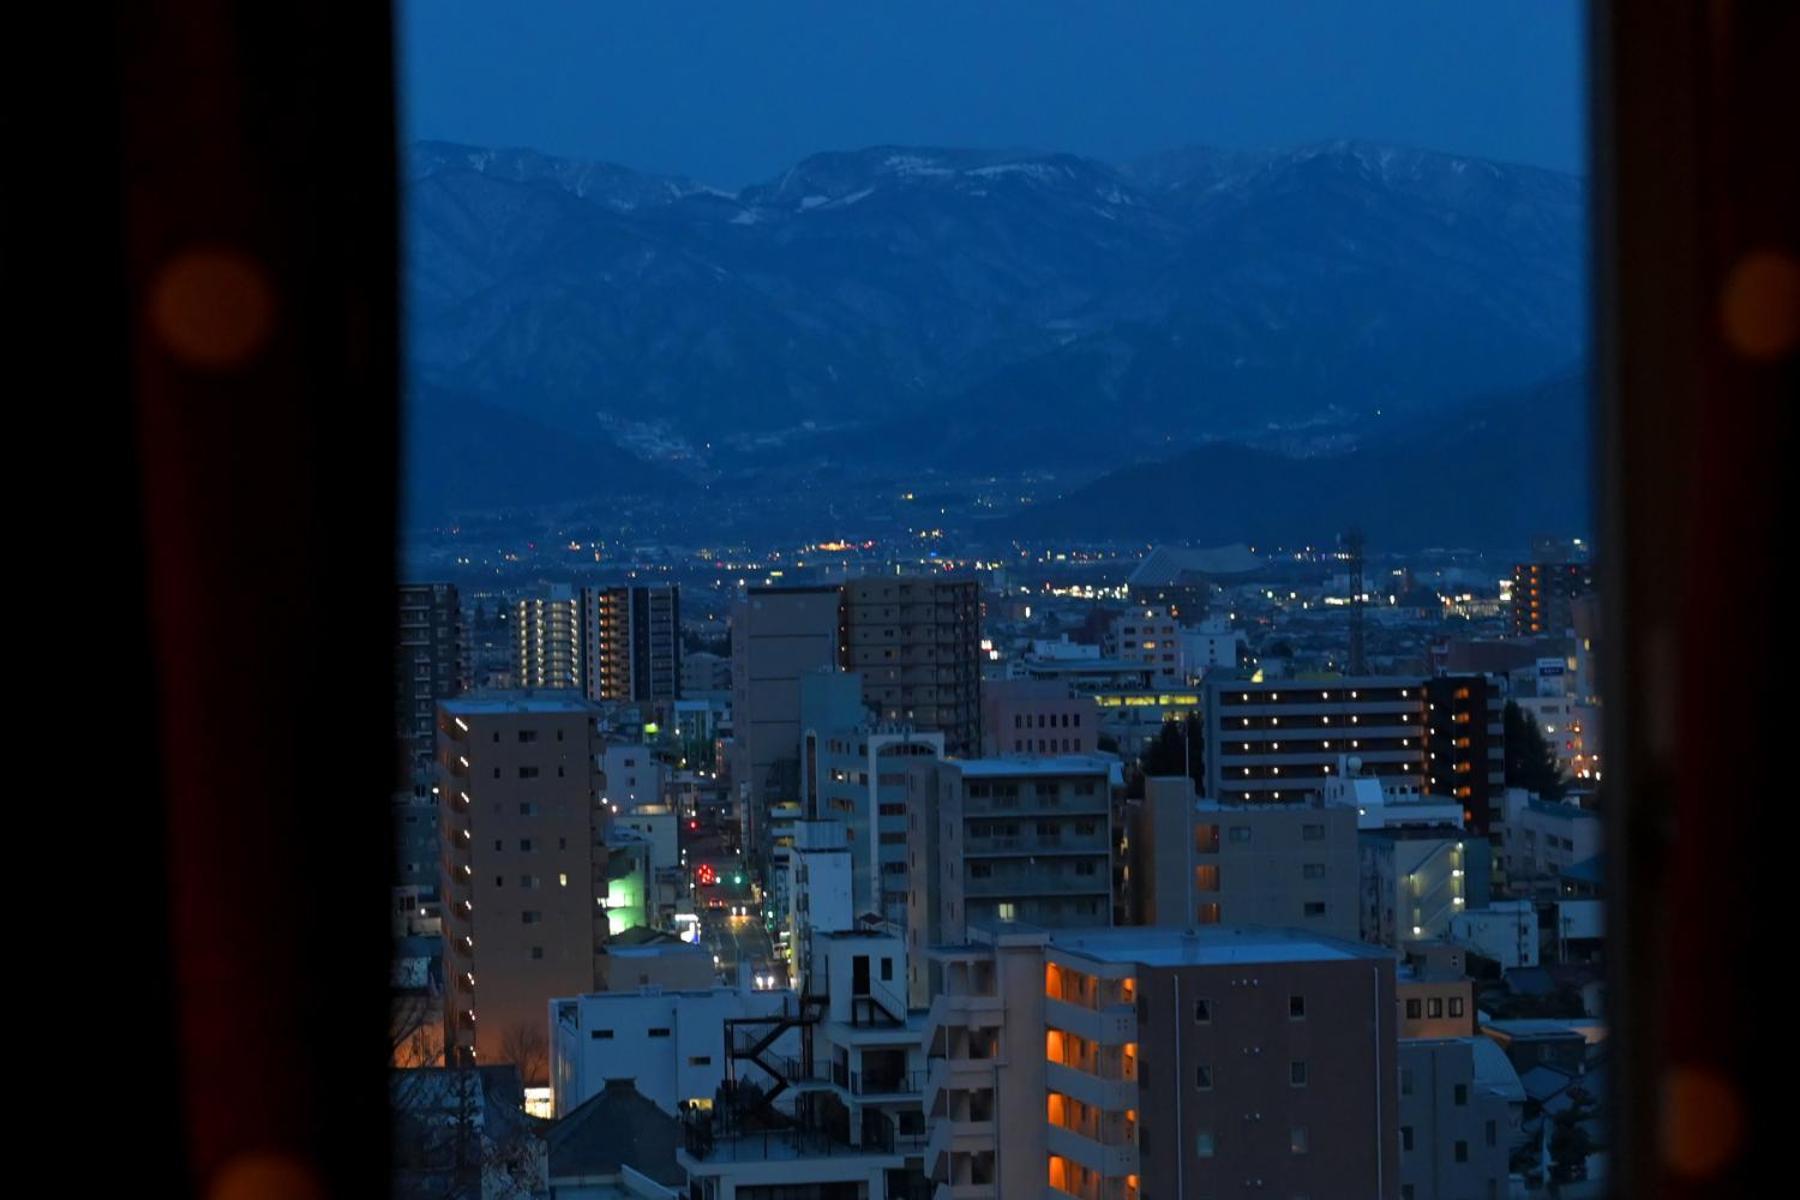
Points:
(526, 1046)
(1570, 1143)
(415, 1030)
(1530, 760)
(1168, 756)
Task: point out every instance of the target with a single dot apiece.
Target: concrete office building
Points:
(524, 868)
(1289, 864)
(1150, 635)
(1021, 715)
(1460, 1108)
(1037, 716)
(1465, 746)
(1008, 839)
(1177, 1062)
(778, 635)
(1542, 593)
(670, 1043)
(549, 647)
(1543, 838)
(633, 776)
(1213, 645)
(916, 642)
(703, 672)
(633, 635)
(1282, 739)
(1505, 931)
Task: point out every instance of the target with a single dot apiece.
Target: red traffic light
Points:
(706, 876)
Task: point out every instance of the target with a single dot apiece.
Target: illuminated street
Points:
(734, 940)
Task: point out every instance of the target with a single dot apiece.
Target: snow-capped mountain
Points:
(948, 303)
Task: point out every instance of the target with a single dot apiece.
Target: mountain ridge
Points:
(1057, 306)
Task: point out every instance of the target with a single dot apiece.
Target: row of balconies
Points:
(1038, 843)
(1040, 882)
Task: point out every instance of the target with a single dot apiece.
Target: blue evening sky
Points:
(731, 93)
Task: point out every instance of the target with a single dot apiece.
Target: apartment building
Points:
(1281, 739)
(1465, 746)
(549, 648)
(916, 642)
(1417, 881)
(633, 635)
(431, 663)
(1177, 1062)
(1287, 863)
(1151, 635)
(849, 1118)
(1008, 839)
(858, 775)
(1543, 592)
(525, 868)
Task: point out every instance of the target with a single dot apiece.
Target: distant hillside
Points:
(931, 305)
(1490, 477)
(465, 455)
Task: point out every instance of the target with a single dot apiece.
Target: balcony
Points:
(1043, 882)
(1113, 1025)
(964, 1191)
(1113, 1155)
(884, 1085)
(1093, 1090)
(1069, 843)
(961, 1074)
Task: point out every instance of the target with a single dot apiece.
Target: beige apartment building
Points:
(524, 868)
(1292, 864)
(1004, 839)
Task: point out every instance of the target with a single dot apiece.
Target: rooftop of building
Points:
(1014, 767)
(1324, 682)
(1561, 810)
(617, 1127)
(1437, 831)
(555, 700)
(1308, 801)
(639, 935)
(654, 992)
(1589, 1029)
(1081, 666)
(1175, 565)
(1210, 945)
(674, 948)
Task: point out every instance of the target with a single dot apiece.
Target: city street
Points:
(738, 940)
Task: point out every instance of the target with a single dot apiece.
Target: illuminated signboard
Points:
(1149, 700)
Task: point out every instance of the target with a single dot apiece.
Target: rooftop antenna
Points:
(1352, 542)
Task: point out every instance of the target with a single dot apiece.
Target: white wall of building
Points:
(670, 1044)
(1506, 932)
